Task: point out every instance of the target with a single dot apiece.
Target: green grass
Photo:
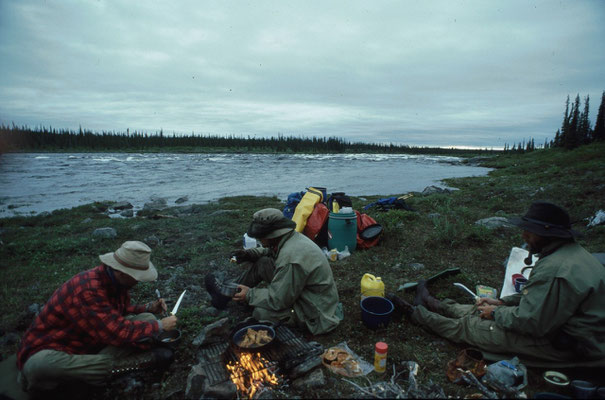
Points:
(39, 253)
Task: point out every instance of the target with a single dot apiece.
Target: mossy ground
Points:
(38, 253)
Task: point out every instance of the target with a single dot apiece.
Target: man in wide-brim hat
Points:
(300, 287)
(88, 331)
(559, 315)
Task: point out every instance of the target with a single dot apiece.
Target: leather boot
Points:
(424, 298)
(214, 282)
(158, 357)
(402, 307)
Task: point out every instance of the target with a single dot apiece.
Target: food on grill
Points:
(255, 338)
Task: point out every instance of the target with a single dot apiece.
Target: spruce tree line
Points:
(23, 138)
(575, 129)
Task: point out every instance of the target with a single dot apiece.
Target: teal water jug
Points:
(342, 231)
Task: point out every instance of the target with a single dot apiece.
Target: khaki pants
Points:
(46, 369)
(263, 270)
(461, 323)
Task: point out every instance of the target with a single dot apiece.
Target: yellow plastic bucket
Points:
(371, 286)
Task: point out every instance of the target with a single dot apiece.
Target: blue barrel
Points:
(342, 231)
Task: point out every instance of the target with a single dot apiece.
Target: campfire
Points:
(251, 373)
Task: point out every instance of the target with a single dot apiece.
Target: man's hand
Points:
(242, 290)
(158, 306)
(169, 323)
(485, 311)
(242, 256)
(488, 301)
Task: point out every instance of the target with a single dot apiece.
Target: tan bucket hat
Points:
(132, 258)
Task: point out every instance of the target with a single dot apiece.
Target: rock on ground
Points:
(212, 333)
(434, 189)
(121, 205)
(156, 204)
(494, 222)
(127, 213)
(181, 199)
(313, 380)
(107, 233)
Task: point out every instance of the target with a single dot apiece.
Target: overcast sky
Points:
(436, 73)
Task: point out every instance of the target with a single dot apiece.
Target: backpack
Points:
(291, 203)
(397, 203)
(317, 225)
(366, 223)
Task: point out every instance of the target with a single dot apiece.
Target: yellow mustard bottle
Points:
(380, 357)
(371, 286)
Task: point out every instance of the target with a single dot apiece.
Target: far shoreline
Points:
(439, 151)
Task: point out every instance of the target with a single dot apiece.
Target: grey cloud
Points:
(438, 73)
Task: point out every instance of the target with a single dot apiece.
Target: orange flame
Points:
(250, 373)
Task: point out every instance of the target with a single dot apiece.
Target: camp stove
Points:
(287, 357)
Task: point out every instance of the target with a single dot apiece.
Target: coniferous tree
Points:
(584, 135)
(564, 126)
(599, 126)
(572, 136)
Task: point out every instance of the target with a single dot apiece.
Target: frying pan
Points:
(239, 335)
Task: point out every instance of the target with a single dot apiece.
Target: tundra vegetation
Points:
(38, 253)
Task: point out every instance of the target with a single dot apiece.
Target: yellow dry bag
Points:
(305, 208)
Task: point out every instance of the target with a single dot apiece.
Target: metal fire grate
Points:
(287, 352)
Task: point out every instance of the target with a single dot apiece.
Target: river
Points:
(31, 183)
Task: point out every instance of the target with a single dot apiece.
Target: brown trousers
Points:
(46, 369)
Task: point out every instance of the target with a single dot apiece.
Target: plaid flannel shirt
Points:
(83, 316)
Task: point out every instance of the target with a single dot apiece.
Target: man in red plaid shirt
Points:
(89, 331)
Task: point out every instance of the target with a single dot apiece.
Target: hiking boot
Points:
(424, 298)
(402, 307)
(214, 285)
(158, 357)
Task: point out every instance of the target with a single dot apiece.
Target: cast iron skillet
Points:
(239, 335)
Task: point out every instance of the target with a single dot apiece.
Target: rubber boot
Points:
(424, 298)
(213, 282)
(402, 307)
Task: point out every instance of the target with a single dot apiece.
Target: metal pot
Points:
(239, 335)
(170, 338)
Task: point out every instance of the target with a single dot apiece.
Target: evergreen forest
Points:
(575, 131)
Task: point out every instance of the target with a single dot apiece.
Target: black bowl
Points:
(170, 338)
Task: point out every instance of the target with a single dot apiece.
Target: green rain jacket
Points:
(565, 293)
(302, 282)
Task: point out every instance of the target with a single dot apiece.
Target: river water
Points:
(32, 183)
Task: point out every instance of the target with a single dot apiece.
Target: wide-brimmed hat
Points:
(132, 258)
(270, 223)
(546, 219)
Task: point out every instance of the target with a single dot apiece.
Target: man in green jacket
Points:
(300, 287)
(559, 314)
